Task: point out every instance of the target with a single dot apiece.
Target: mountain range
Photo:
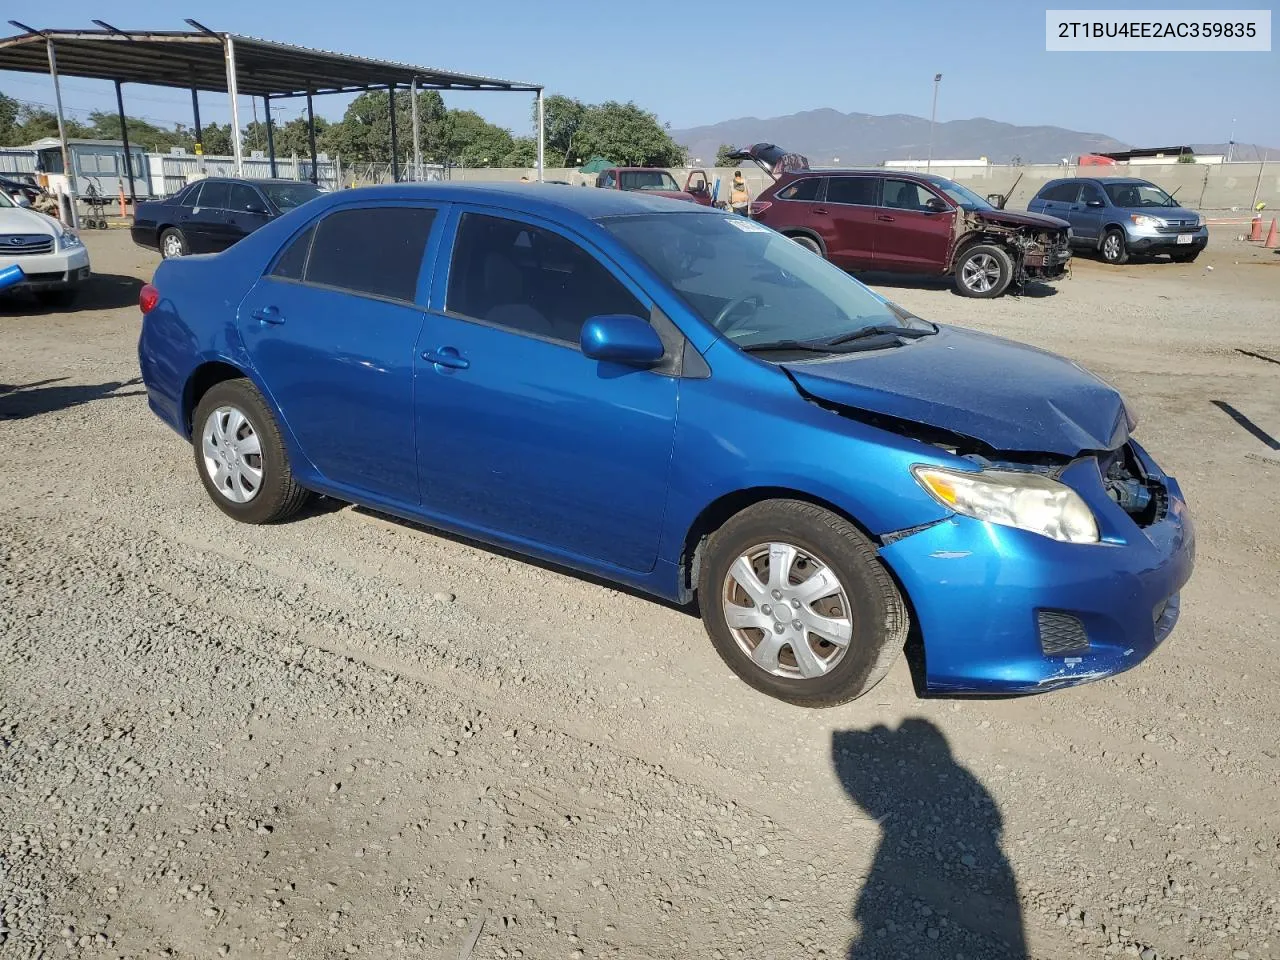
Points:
(828, 137)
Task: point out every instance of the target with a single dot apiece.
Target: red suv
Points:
(904, 222)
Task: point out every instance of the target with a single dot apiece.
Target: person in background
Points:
(739, 198)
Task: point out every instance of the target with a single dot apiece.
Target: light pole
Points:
(933, 115)
(1231, 140)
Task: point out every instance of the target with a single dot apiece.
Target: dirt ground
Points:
(344, 736)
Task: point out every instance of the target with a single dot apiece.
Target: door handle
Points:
(446, 357)
(820, 211)
(268, 315)
(885, 217)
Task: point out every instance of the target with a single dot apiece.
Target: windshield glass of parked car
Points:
(752, 284)
(5, 201)
(961, 196)
(286, 196)
(648, 180)
(1138, 195)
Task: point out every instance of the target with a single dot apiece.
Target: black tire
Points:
(278, 496)
(172, 234)
(806, 241)
(984, 271)
(1114, 250)
(1189, 257)
(60, 298)
(877, 611)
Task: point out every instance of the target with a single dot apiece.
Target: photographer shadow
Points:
(940, 885)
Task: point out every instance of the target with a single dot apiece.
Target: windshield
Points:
(286, 196)
(962, 196)
(1138, 195)
(647, 180)
(753, 285)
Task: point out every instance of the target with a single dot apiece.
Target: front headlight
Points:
(1028, 501)
(68, 240)
(1142, 220)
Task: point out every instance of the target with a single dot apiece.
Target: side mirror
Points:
(21, 200)
(254, 208)
(1094, 203)
(936, 205)
(621, 338)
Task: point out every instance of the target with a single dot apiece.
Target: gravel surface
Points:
(345, 736)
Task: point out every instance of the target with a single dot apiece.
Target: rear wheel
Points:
(808, 243)
(798, 605)
(173, 243)
(984, 270)
(241, 457)
(1114, 249)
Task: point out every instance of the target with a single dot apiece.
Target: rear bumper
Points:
(980, 594)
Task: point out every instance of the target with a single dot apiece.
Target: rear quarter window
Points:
(375, 251)
(806, 189)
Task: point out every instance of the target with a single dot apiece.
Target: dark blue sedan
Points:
(209, 215)
(685, 402)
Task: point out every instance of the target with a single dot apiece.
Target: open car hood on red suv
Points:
(1019, 219)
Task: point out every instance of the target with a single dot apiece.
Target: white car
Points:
(52, 257)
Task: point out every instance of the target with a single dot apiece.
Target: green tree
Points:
(472, 141)
(216, 139)
(364, 134)
(722, 156)
(627, 135)
(562, 116)
(8, 121)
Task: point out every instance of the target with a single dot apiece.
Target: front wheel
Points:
(1114, 249)
(241, 457)
(798, 605)
(984, 270)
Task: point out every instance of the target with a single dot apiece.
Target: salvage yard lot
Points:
(344, 736)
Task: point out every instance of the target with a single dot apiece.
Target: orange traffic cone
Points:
(1272, 243)
(123, 208)
(1255, 231)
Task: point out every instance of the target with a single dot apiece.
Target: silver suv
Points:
(1121, 216)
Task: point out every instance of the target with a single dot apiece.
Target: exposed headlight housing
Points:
(1028, 501)
(1142, 220)
(67, 240)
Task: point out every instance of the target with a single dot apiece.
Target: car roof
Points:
(249, 181)
(550, 200)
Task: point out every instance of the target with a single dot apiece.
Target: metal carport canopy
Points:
(203, 59)
(264, 68)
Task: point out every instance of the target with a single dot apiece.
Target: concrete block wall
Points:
(1225, 189)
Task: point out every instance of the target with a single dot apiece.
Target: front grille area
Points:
(1061, 634)
(1178, 226)
(25, 244)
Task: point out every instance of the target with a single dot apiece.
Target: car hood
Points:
(20, 220)
(1006, 395)
(1016, 218)
(673, 194)
(1171, 214)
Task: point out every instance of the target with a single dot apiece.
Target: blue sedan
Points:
(685, 402)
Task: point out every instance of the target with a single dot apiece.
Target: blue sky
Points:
(699, 63)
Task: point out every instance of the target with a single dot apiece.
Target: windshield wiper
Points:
(771, 346)
(881, 330)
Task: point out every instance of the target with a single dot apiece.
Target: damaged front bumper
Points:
(1005, 611)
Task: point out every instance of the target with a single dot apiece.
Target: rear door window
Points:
(858, 191)
(292, 263)
(1062, 193)
(806, 189)
(215, 195)
(373, 251)
(190, 197)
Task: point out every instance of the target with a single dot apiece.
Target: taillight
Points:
(757, 207)
(148, 297)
